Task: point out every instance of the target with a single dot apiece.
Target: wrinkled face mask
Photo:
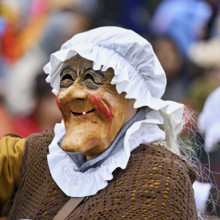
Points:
(92, 110)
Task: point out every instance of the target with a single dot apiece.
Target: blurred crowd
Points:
(185, 35)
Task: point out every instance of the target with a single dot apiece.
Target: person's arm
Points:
(11, 154)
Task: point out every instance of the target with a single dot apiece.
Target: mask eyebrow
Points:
(68, 68)
(98, 72)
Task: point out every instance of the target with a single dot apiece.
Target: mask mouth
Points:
(82, 114)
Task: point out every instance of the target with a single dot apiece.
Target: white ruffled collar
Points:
(74, 183)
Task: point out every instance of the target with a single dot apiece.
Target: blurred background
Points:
(185, 35)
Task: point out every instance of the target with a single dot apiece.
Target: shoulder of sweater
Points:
(43, 136)
(157, 150)
(46, 133)
(39, 141)
(157, 154)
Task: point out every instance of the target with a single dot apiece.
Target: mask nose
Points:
(73, 92)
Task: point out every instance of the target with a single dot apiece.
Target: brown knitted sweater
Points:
(156, 184)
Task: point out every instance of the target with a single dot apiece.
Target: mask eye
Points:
(66, 81)
(90, 82)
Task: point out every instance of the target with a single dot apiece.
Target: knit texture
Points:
(156, 184)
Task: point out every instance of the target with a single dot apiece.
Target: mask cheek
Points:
(63, 107)
(102, 106)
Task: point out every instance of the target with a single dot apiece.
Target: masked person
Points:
(115, 153)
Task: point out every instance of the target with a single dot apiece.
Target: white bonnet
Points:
(136, 68)
(139, 74)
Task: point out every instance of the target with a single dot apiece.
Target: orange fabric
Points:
(11, 155)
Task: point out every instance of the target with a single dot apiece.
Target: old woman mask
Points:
(92, 110)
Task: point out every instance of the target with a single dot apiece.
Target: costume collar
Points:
(77, 178)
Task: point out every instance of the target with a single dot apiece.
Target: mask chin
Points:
(80, 142)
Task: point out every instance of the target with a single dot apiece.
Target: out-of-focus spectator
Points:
(209, 126)
(86, 7)
(209, 121)
(5, 120)
(59, 27)
(131, 14)
(31, 33)
(183, 20)
(26, 21)
(45, 113)
(213, 25)
(2, 60)
(12, 15)
(206, 55)
(178, 76)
